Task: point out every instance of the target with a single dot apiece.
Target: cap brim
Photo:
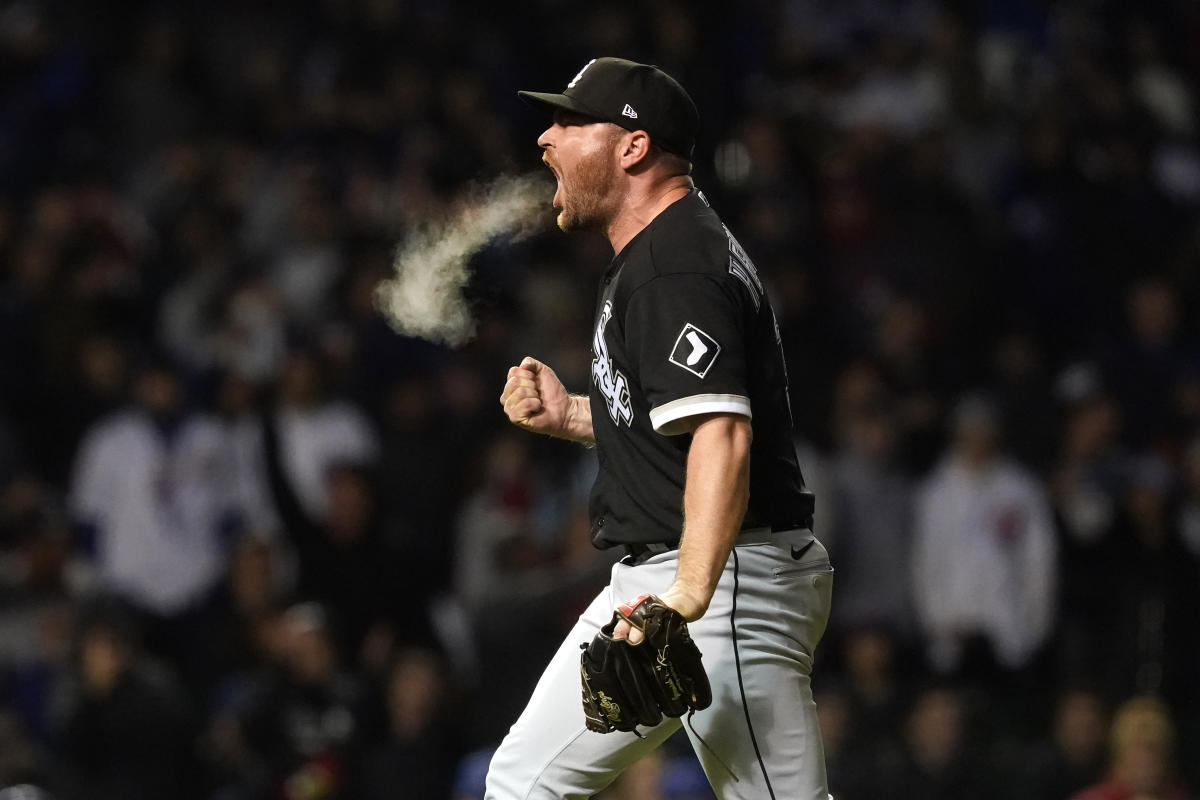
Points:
(549, 101)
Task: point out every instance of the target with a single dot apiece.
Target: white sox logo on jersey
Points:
(611, 383)
(694, 350)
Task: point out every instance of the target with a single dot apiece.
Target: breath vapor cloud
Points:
(424, 298)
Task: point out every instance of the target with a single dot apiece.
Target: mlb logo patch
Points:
(694, 351)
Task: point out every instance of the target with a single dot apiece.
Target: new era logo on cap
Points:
(629, 112)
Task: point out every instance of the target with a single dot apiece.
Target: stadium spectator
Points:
(346, 560)
(873, 689)
(1072, 757)
(833, 716)
(236, 406)
(872, 511)
(938, 760)
(1160, 602)
(152, 490)
(43, 580)
(1142, 743)
(422, 744)
(1147, 364)
(126, 727)
(984, 557)
(307, 726)
(505, 551)
(231, 638)
(315, 433)
(1085, 486)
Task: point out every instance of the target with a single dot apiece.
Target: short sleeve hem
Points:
(666, 418)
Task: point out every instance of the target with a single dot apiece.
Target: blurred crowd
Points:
(256, 544)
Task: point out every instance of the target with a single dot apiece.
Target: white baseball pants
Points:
(757, 640)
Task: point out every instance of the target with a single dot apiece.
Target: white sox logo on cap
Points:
(579, 74)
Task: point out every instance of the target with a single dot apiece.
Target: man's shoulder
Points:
(687, 237)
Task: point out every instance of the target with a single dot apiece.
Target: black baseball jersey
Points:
(683, 327)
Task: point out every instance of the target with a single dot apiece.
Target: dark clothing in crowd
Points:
(423, 766)
(311, 733)
(901, 776)
(136, 743)
(360, 577)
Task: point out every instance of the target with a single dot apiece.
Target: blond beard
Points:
(586, 194)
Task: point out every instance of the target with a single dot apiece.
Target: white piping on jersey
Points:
(663, 416)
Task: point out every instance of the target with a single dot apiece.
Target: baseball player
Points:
(698, 482)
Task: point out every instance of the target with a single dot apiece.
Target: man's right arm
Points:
(535, 399)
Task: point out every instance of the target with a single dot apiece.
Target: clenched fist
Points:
(535, 399)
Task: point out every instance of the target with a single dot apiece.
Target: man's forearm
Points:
(715, 495)
(578, 425)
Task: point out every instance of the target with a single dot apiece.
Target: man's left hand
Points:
(677, 598)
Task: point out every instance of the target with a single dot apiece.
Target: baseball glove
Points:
(626, 685)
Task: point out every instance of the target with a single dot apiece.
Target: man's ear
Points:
(635, 148)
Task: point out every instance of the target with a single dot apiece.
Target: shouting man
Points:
(688, 409)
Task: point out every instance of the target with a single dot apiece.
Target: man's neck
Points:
(640, 209)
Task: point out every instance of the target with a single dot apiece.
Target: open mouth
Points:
(557, 201)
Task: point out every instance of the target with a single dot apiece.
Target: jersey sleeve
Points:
(685, 335)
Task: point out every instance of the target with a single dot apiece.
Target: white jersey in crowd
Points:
(983, 561)
(158, 505)
(311, 440)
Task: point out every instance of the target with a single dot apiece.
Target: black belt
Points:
(643, 550)
(781, 527)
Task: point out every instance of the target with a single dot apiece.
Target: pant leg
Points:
(549, 754)
(782, 606)
(762, 724)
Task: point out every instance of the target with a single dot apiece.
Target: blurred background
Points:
(254, 544)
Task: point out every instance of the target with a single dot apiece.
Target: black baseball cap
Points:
(638, 97)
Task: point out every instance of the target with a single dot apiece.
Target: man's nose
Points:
(544, 140)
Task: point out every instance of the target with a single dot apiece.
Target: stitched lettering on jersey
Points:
(694, 350)
(742, 268)
(611, 383)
